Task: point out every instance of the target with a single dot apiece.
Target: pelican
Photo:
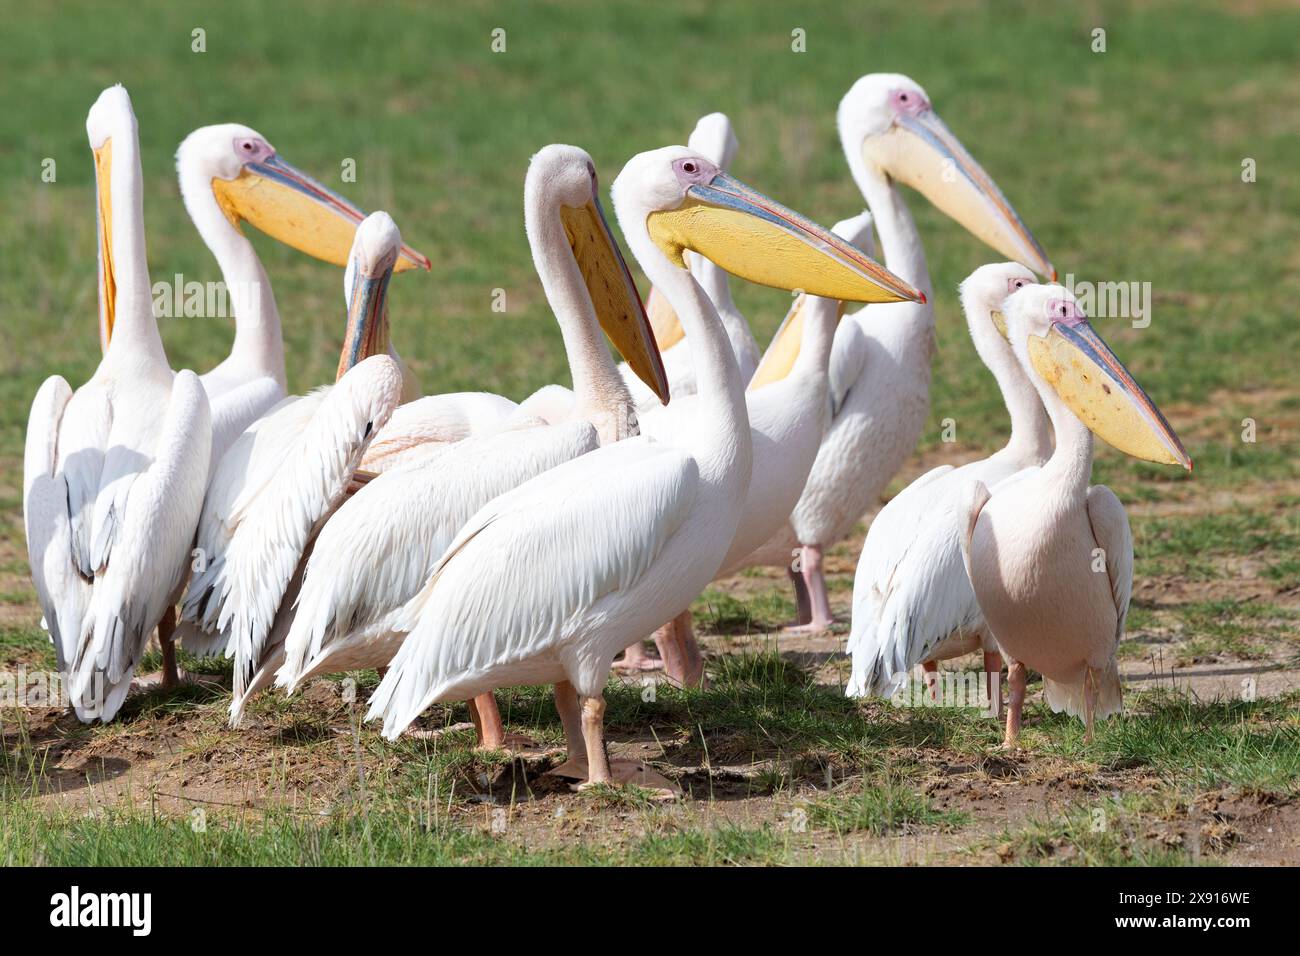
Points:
(229, 174)
(284, 476)
(1049, 556)
(880, 362)
(548, 582)
(379, 549)
(788, 406)
(714, 139)
(113, 473)
(912, 600)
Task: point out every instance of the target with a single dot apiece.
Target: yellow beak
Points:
(613, 293)
(757, 239)
(921, 152)
(295, 209)
(104, 222)
(1093, 382)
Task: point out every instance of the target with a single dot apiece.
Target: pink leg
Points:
(931, 671)
(803, 608)
(1090, 695)
(993, 678)
(593, 732)
(683, 663)
(166, 628)
(1016, 678)
(818, 598)
(485, 714)
(566, 702)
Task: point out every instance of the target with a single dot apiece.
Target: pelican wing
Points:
(1111, 531)
(276, 521)
(251, 461)
(435, 420)
(533, 568)
(62, 589)
(144, 520)
(911, 591)
(383, 544)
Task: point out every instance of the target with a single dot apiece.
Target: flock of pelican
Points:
(464, 542)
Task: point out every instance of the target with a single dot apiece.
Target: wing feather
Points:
(382, 545)
(532, 568)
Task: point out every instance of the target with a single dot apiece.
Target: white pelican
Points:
(548, 582)
(788, 407)
(283, 477)
(377, 552)
(714, 139)
(113, 473)
(230, 174)
(1050, 557)
(912, 600)
(880, 364)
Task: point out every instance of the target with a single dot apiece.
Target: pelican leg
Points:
(566, 702)
(818, 599)
(593, 732)
(803, 608)
(166, 628)
(1090, 694)
(930, 670)
(1016, 678)
(683, 663)
(993, 677)
(485, 714)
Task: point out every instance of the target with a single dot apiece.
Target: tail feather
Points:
(1069, 698)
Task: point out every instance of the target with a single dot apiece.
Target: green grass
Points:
(29, 837)
(1106, 833)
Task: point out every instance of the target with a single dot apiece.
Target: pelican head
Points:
(1051, 335)
(984, 290)
(681, 201)
(251, 183)
(887, 125)
(566, 176)
(376, 250)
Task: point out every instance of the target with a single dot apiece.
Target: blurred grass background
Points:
(1126, 164)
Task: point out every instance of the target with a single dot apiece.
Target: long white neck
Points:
(1031, 431)
(135, 339)
(817, 338)
(719, 438)
(1071, 462)
(258, 348)
(900, 243)
(600, 395)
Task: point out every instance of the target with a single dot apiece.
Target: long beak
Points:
(367, 328)
(613, 293)
(758, 239)
(923, 153)
(290, 206)
(104, 222)
(1094, 383)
